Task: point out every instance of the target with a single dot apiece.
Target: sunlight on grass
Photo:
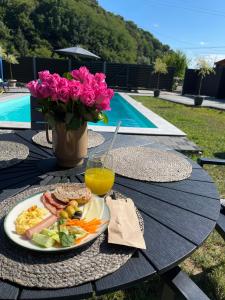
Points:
(206, 266)
(205, 127)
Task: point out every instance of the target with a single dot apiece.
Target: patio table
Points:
(178, 217)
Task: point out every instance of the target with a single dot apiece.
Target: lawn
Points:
(206, 127)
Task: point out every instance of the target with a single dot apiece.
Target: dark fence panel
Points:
(116, 75)
(212, 85)
(140, 76)
(93, 66)
(121, 76)
(221, 88)
(53, 65)
(191, 82)
(165, 80)
(23, 71)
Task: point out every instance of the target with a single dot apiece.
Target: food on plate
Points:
(69, 192)
(63, 214)
(49, 206)
(77, 214)
(89, 226)
(66, 225)
(70, 210)
(41, 225)
(53, 201)
(29, 218)
(43, 240)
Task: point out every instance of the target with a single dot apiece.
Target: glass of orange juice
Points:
(99, 174)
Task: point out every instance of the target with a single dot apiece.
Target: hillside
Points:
(36, 27)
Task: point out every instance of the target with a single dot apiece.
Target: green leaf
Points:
(67, 75)
(74, 124)
(50, 119)
(61, 221)
(66, 240)
(105, 118)
(69, 117)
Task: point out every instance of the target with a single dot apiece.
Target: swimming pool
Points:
(15, 109)
(15, 112)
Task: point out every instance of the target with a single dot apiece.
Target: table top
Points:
(177, 216)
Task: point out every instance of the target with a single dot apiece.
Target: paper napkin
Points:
(124, 228)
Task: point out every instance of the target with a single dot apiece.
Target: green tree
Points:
(36, 27)
(178, 60)
(12, 60)
(21, 44)
(159, 68)
(203, 68)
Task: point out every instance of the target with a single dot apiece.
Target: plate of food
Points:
(58, 219)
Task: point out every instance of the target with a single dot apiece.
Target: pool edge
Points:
(163, 127)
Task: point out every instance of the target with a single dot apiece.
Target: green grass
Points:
(205, 127)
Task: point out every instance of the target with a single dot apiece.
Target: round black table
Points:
(178, 216)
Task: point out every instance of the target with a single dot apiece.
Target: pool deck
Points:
(188, 100)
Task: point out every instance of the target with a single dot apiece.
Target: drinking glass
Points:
(99, 174)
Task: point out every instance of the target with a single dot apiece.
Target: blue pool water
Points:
(15, 109)
(18, 110)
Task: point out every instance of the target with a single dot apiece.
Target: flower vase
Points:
(69, 146)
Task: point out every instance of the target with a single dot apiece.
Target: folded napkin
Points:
(124, 228)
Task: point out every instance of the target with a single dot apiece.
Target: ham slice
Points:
(58, 204)
(43, 224)
(49, 206)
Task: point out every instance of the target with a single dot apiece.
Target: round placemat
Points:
(94, 139)
(12, 153)
(5, 131)
(148, 164)
(57, 270)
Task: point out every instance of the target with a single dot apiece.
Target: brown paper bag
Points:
(124, 228)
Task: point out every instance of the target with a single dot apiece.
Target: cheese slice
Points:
(94, 209)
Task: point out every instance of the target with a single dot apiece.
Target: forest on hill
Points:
(37, 27)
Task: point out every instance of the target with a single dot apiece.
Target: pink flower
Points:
(103, 99)
(52, 80)
(62, 91)
(75, 89)
(32, 87)
(63, 94)
(83, 75)
(63, 83)
(89, 89)
(42, 90)
(100, 77)
(43, 75)
(87, 96)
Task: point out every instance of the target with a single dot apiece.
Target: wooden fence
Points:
(212, 85)
(121, 76)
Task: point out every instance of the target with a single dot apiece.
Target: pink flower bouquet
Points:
(74, 99)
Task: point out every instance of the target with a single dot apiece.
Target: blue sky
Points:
(180, 24)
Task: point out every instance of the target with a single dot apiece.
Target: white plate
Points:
(96, 208)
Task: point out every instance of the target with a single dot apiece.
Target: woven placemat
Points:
(12, 153)
(62, 269)
(94, 139)
(5, 131)
(150, 164)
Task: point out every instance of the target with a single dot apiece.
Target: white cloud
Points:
(156, 25)
(203, 43)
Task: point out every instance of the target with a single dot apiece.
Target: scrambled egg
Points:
(29, 218)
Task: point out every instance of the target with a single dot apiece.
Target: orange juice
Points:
(99, 180)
